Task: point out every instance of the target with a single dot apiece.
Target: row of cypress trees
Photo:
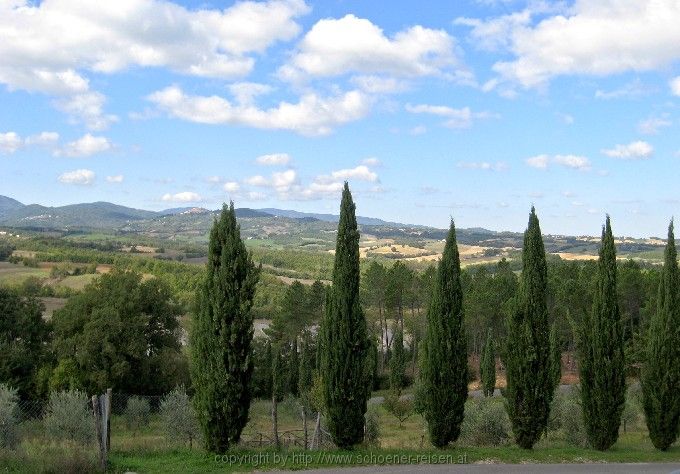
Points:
(221, 354)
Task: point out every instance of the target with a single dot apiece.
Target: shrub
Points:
(68, 417)
(372, 427)
(137, 413)
(9, 417)
(569, 417)
(486, 423)
(400, 407)
(632, 410)
(179, 418)
(65, 458)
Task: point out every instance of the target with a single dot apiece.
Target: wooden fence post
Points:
(101, 407)
(108, 419)
(96, 409)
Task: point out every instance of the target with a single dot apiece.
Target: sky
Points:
(473, 110)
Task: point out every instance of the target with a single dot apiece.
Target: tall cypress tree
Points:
(293, 368)
(601, 357)
(346, 343)
(222, 333)
(487, 367)
(555, 356)
(397, 361)
(527, 354)
(444, 369)
(661, 370)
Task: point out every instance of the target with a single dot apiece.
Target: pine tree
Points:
(397, 361)
(444, 370)
(487, 367)
(601, 357)
(661, 370)
(346, 343)
(530, 385)
(222, 333)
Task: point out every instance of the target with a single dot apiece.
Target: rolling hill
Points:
(281, 228)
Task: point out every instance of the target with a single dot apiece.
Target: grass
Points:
(13, 275)
(148, 452)
(631, 448)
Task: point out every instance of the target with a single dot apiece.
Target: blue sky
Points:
(474, 109)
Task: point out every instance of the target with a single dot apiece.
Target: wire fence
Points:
(149, 422)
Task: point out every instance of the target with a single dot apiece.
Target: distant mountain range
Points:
(276, 228)
(105, 215)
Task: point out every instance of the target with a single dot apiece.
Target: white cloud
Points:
(257, 180)
(49, 40)
(231, 186)
(632, 151)
(361, 173)
(355, 45)
(539, 161)
(371, 161)
(418, 130)
(495, 33)
(631, 90)
(483, 165)
(379, 85)
(456, 118)
(213, 180)
(283, 180)
(576, 162)
(596, 38)
(87, 145)
(312, 115)
(246, 92)
(320, 190)
(10, 142)
(115, 179)
(47, 46)
(652, 125)
(675, 86)
(43, 139)
(573, 161)
(87, 108)
(81, 177)
(273, 159)
(256, 196)
(186, 196)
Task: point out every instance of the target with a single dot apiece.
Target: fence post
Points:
(108, 420)
(99, 432)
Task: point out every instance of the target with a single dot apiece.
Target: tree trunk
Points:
(304, 424)
(275, 423)
(317, 431)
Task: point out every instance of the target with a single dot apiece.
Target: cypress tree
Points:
(661, 370)
(601, 356)
(346, 343)
(397, 361)
(222, 333)
(487, 367)
(556, 357)
(530, 385)
(293, 368)
(444, 370)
